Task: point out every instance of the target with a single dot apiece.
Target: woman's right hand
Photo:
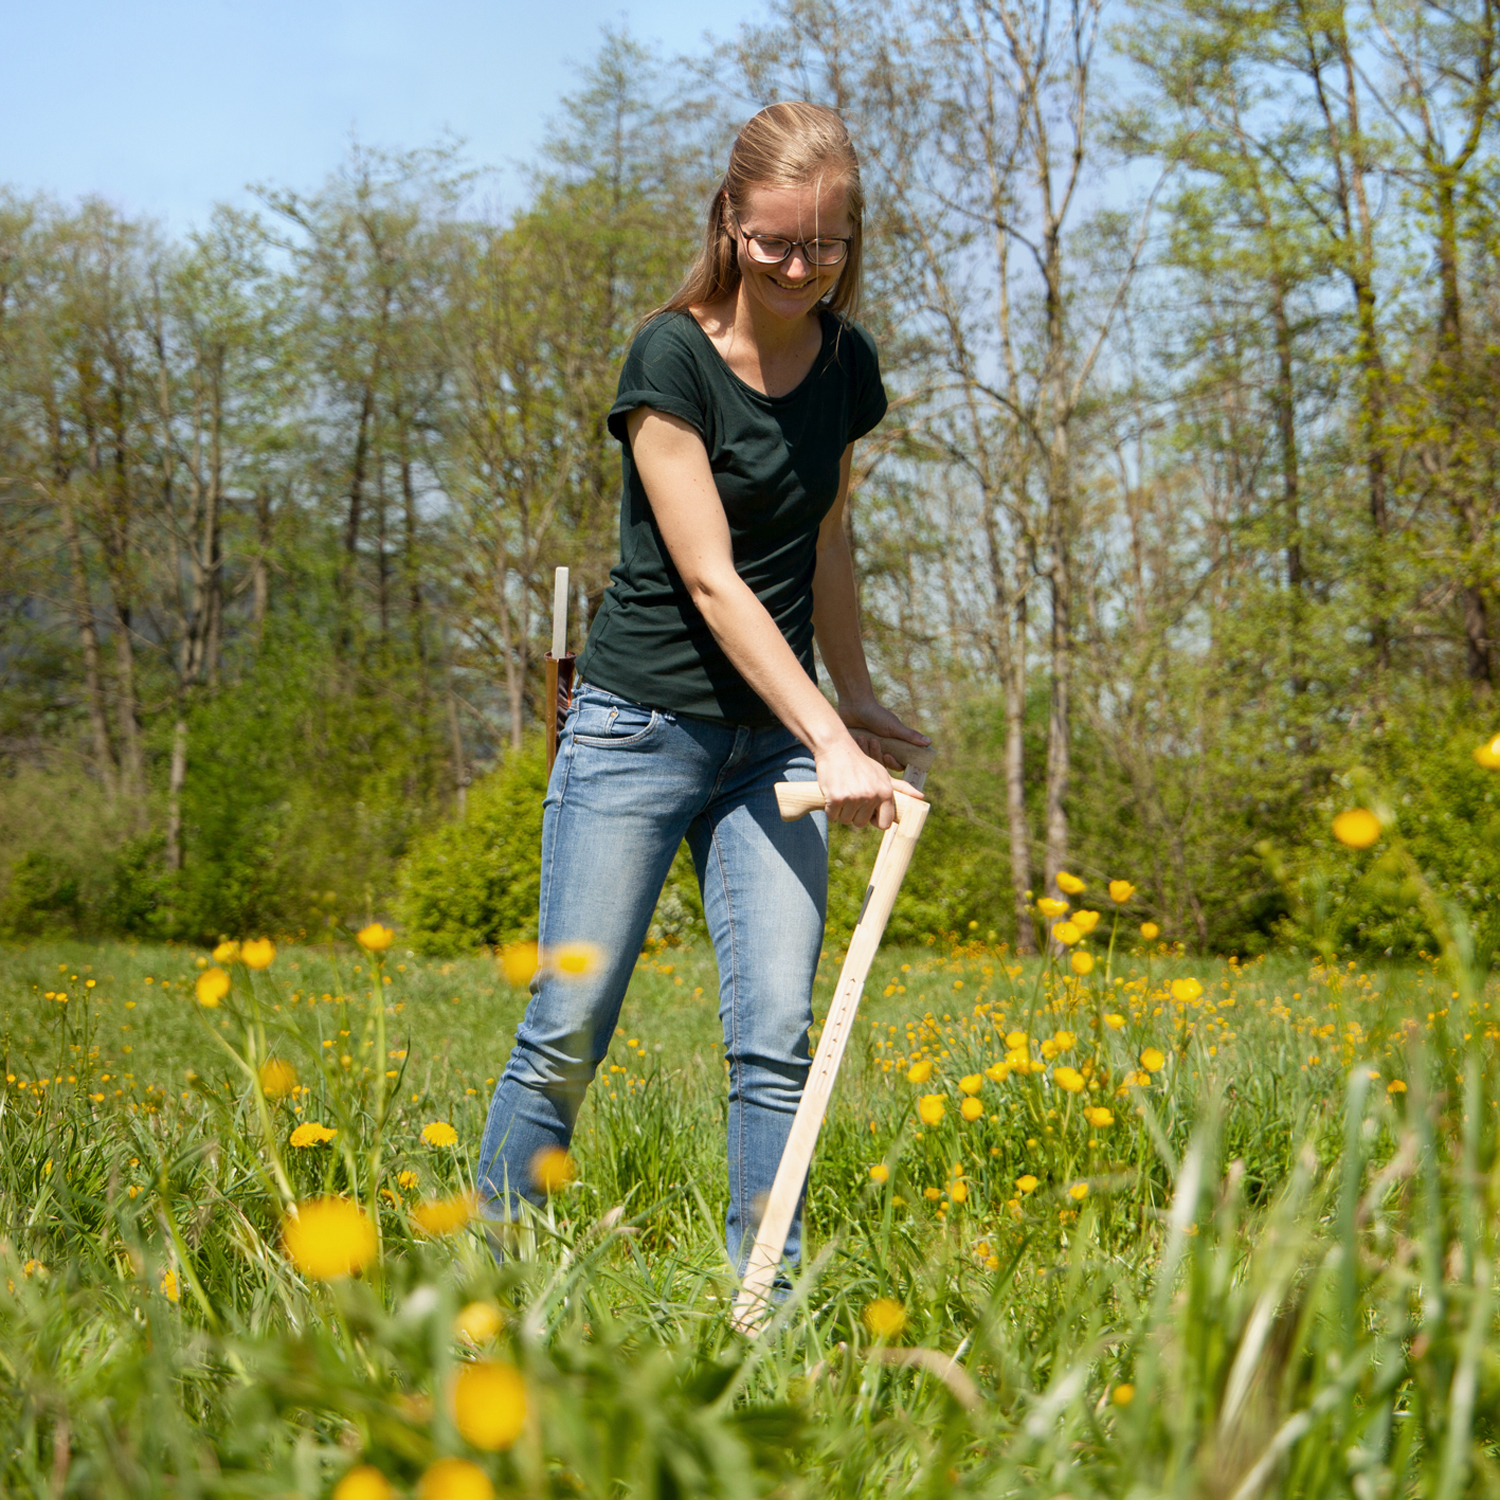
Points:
(858, 790)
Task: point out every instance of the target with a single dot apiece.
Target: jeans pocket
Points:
(610, 722)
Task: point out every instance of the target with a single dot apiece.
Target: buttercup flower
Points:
(1098, 1116)
(489, 1404)
(880, 1172)
(328, 1238)
(1114, 1022)
(277, 1078)
(959, 1192)
(518, 962)
(363, 1482)
(885, 1318)
(258, 953)
(1066, 933)
(1085, 921)
(919, 1072)
(931, 1108)
(1152, 1060)
(1027, 1184)
(439, 1133)
(552, 1169)
(227, 952)
(1357, 827)
(1068, 1078)
(211, 987)
(1120, 891)
(1078, 1192)
(1064, 1041)
(1082, 963)
(169, 1285)
(1070, 885)
(310, 1133)
(971, 1110)
(970, 1083)
(997, 1072)
(1186, 990)
(439, 1216)
(1123, 1395)
(407, 1179)
(1049, 906)
(480, 1321)
(1488, 754)
(455, 1479)
(1150, 931)
(374, 938)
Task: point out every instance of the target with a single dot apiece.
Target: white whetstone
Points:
(560, 614)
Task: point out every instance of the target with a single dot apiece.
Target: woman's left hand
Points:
(868, 722)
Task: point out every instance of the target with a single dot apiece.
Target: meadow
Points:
(1167, 1226)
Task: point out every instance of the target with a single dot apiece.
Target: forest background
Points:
(1180, 534)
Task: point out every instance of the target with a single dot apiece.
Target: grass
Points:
(1265, 1265)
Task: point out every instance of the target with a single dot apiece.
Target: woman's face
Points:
(795, 287)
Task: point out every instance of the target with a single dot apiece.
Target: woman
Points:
(738, 408)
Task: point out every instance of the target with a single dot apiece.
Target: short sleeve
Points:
(662, 372)
(869, 404)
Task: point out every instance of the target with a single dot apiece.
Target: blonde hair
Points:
(786, 145)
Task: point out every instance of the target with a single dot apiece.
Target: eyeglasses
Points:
(771, 249)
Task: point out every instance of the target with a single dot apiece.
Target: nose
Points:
(798, 265)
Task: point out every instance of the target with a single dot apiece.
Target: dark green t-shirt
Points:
(775, 461)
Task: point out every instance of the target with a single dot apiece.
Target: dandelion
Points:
(885, 1318)
(169, 1285)
(211, 987)
(575, 960)
(971, 1083)
(455, 1479)
(1068, 1078)
(227, 952)
(1123, 1394)
(277, 1078)
(374, 938)
(1150, 931)
(1027, 1184)
(518, 962)
(363, 1482)
(1085, 921)
(328, 1238)
(310, 1133)
(1066, 933)
(440, 1216)
(1114, 1021)
(552, 1169)
(1070, 885)
(489, 1404)
(257, 953)
(919, 1072)
(971, 1110)
(1186, 990)
(1152, 1060)
(1078, 1192)
(1049, 906)
(439, 1133)
(479, 1321)
(1488, 754)
(1082, 963)
(880, 1173)
(1357, 827)
(1395, 1086)
(1120, 891)
(931, 1108)
(1098, 1116)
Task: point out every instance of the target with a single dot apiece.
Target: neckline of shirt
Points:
(826, 323)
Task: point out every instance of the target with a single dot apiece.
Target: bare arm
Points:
(674, 467)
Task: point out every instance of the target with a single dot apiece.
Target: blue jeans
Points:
(629, 784)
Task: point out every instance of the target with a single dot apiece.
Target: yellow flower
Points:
(489, 1404)
(1120, 891)
(480, 1321)
(1050, 906)
(885, 1318)
(971, 1083)
(1085, 921)
(880, 1172)
(1062, 1041)
(1069, 885)
(1395, 1086)
(971, 1110)
(518, 962)
(959, 1192)
(1066, 933)
(439, 1133)
(1150, 931)
(931, 1108)
(919, 1072)
(1078, 1192)
(1082, 963)
(455, 1479)
(363, 1482)
(439, 1216)
(1068, 1078)
(1152, 1060)
(1186, 990)
(257, 953)
(1488, 754)
(374, 938)
(310, 1133)
(1114, 1022)
(1122, 1395)
(329, 1237)
(407, 1179)
(227, 952)
(1027, 1184)
(1357, 827)
(211, 987)
(1016, 1040)
(169, 1285)
(277, 1078)
(997, 1072)
(574, 960)
(1098, 1116)
(552, 1169)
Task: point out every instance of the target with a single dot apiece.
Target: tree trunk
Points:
(93, 677)
(175, 781)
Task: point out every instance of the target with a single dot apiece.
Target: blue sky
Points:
(166, 107)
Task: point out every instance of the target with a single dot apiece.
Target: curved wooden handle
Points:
(798, 798)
